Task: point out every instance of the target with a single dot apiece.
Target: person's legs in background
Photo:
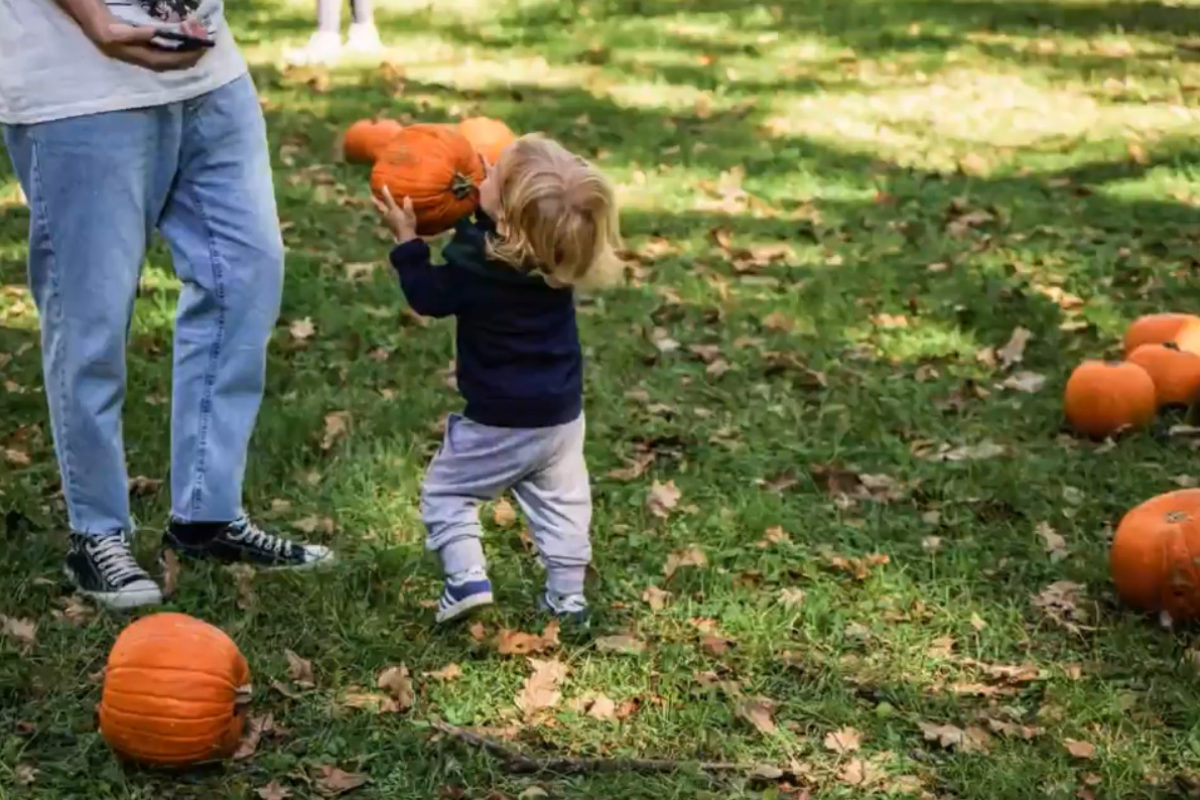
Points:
(325, 45)
(363, 37)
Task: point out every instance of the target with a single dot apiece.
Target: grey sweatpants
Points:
(545, 470)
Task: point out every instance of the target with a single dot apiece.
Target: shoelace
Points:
(117, 565)
(467, 575)
(259, 539)
(568, 603)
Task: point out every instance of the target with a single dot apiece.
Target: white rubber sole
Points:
(145, 595)
(463, 606)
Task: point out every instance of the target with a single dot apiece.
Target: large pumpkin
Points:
(1176, 374)
(365, 139)
(175, 692)
(1154, 555)
(1156, 329)
(437, 168)
(488, 136)
(1103, 398)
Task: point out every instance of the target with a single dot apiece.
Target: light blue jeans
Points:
(98, 186)
(547, 473)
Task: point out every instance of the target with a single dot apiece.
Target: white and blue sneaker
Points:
(462, 592)
(572, 608)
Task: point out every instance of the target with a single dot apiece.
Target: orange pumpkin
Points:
(1154, 555)
(1176, 374)
(437, 168)
(1156, 329)
(364, 140)
(1187, 338)
(175, 692)
(488, 136)
(1103, 398)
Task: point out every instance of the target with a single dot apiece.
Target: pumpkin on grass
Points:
(488, 136)
(175, 692)
(1103, 398)
(437, 168)
(1154, 555)
(1176, 374)
(365, 139)
(1158, 328)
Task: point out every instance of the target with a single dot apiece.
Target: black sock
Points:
(196, 533)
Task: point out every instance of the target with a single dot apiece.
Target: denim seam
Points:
(58, 377)
(210, 373)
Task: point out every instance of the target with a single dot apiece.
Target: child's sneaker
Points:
(572, 608)
(324, 48)
(462, 592)
(363, 39)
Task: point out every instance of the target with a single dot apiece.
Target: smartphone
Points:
(169, 39)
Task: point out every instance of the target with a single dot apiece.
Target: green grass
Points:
(868, 137)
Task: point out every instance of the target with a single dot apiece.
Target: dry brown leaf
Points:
(542, 689)
(375, 702)
(977, 622)
(503, 513)
(861, 773)
(73, 610)
(243, 579)
(477, 631)
(141, 486)
(357, 270)
(621, 643)
(397, 683)
(773, 535)
(689, 557)
(656, 598)
(1056, 545)
(448, 673)
(778, 321)
(313, 524)
(1079, 749)
(518, 643)
(302, 329)
(273, 791)
(1025, 381)
(846, 740)
(15, 457)
(1013, 352)
(759, 712)
(642, 459)
(790, 597)
(333, 782)
(860, 568)
(256, 726)
(1010, 729)
(663, 498)
(337, 425)
(300, 670)
(952, 737)
(884, 320)
(1060, 603)
(715, 644)
(983, 450)
(21, 631)
(596, 706)
(25, 774)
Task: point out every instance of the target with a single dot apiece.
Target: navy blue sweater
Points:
(519, 362)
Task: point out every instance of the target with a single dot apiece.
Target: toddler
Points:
(546, 223)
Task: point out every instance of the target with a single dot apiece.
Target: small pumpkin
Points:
(1157, 328)
(365, 139)
(488, 136)
(1154, 555)
(1102, 398)
(1176, 374)
(175, 692)
(437, 168)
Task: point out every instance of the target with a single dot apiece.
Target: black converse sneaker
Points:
(243, 541)
(102, 568)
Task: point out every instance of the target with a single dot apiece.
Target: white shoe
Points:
(323, 47)
(363, 39)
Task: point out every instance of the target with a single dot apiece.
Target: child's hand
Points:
(400, 220)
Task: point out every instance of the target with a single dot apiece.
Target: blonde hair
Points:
(559, 215)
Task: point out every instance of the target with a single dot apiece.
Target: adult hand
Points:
(399, 219)
(131, 44)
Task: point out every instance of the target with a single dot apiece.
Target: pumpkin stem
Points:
(242, 695)
(461, 186)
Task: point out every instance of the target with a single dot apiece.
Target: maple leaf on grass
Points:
(759, 712)
(448, 673)
(971, 740)
(656, 598)
(663, 499)
(1060, 603)
(302, 329)
(21, 631)
(398, 684)
(337, 425)
(299, 670)
(257, 726)
(1056, 545)
(543, 688)
(333, 782)
(1013, 352)
(597, 706)
(845, 740)
(503, 513)
(273, 791)
(621, 643)
(689, 557)
(1079, 749)
(519, 643)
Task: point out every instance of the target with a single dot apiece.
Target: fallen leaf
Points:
(375, 702)
(533, 793)
(1025, 381)
(861, 773)
(860, 568)
(273, 791)
(73, 610)
(518, 643)
(983, 450)
(1060, 603)
(952, 737)
(302, 329)
(620, 643)
(663, 499)
(333, 782)
(1010, 729)
(299, 670)
(542, 689)
(22, 631)
(1014, 351)
(778, 321)
(977, 622)
(337, 424)
(1056, 545)
(256, 726)
(285, 690)
(689, 557)
(1137, 154)
(503, 513)
(477, 631)
(656, 598)
(931, 544)
(1078, 749)
(889, 320)
(243, 580)
(358, 270)
(715, 644)
(141, 486)
(643, 457)
(313, 524)
(448, 673)
(18, 458)
(596, 706)
(397, 683)
(25, 774)
(790, 597)
(846, 740)
(758, 711)
(773, 535)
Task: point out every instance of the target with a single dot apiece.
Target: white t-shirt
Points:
(50, 70)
